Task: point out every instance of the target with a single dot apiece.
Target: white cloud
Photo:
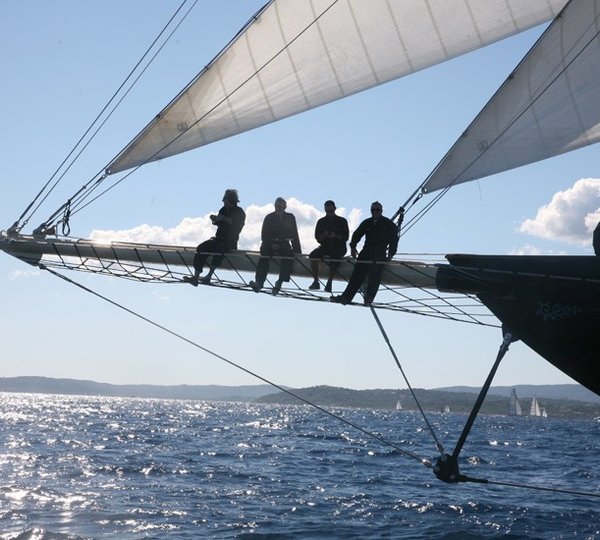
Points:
(570, 216)
(192, 231)
(189, 231)
(533, 250)
(20, 274)
(526, 250)
(160, 296)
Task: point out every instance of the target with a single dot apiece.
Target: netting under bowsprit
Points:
(407, 286)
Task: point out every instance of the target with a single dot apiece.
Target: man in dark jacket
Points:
(381, 242)
(332, 234)
(229, 222)
(279, 238)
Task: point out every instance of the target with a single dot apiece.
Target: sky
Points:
(63, 60)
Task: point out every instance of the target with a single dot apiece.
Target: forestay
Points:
(294, 56)
(548, 106)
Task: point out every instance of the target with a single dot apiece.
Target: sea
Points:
(74, 467)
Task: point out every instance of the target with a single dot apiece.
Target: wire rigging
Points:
(82, 143)
(439, 446)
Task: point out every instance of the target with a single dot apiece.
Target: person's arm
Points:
(393, 240)
(295, 235)
(356, 237)
(238, 220)
(319, 231)
(345, 231)
(266, 233)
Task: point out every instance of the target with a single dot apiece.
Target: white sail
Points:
(297, 55)
(535, 408)
(514, 405)
(549, 105)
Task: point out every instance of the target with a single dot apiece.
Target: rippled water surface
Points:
(93, 467)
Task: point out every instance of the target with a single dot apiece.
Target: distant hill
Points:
(567, 401)
(46, 385)
(431, 401)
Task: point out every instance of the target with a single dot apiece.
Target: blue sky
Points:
(61, 63)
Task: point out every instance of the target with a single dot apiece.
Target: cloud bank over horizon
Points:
(571, 215)
(193, 230)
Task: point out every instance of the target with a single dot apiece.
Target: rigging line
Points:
(421, 213)
(439, 446)
(224, 100)
(442, 299)
(86, 195)
(542, 488)
(381, 439)
(99, 115)
(82, 195)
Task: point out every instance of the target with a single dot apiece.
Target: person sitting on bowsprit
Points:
(332, 234)
(229, 222)
(279, 229)
(381, 242)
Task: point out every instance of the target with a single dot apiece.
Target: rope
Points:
(432, 294)
(84, 192)
(379, 438)
(399, 299)
(439, 446)
(541, 488)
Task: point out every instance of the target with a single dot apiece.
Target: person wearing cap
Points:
(279, 237)
(381, 242)
(229, 222)
(331, 231)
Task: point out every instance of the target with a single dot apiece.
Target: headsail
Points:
(548, 106)
(295, 56)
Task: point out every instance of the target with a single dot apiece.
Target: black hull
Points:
(552, 303)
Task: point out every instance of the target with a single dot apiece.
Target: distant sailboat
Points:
(398, 405)
(536, 410)
(446, 409)
(514, 405)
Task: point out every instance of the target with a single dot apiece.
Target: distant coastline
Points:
(561, 401)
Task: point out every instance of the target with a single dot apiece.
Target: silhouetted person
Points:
(596, 240)
(381, 242)
(332, 234)
(229, 222)
(279, 238)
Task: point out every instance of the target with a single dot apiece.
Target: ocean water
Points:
(93, 467)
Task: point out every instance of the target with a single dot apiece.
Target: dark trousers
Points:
(362, 269)
(280, 248)
(325, 252)
(204, 250)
